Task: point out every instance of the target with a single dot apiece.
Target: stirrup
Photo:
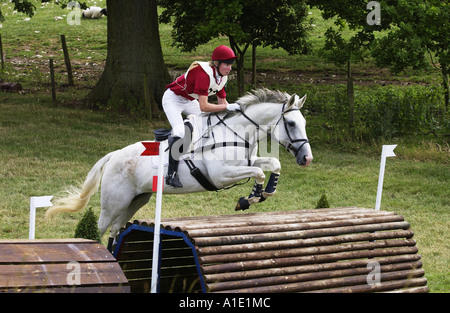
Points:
(173, 180)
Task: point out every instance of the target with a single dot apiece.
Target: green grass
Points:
(45, 149)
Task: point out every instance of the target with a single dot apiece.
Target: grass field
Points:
(45, 149)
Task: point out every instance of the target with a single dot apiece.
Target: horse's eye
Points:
(291, 124)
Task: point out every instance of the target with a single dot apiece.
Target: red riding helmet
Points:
(223, 54)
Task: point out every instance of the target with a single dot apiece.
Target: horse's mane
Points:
(263, 95)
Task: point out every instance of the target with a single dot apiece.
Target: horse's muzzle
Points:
(308, 160)
(304, 160)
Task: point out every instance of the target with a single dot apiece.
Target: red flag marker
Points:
(151, 148)
(155, 184)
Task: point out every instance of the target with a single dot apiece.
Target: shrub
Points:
(323, 203)
(87, 227)
(383, 112)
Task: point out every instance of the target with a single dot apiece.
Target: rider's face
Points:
(225, 69)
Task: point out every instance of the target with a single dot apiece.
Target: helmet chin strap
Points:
(217, 67)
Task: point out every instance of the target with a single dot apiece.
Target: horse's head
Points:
(292, 130)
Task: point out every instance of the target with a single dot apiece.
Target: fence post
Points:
(67, 60)
(1, 52)
(52, 80)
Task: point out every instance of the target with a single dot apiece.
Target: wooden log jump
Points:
(59, 265)
(324, 250)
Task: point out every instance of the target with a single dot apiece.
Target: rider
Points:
(189, 93)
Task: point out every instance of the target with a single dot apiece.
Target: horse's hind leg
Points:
(138, 202)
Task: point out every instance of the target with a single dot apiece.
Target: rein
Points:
(289, 146)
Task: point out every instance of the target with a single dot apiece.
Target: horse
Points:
(225, 151)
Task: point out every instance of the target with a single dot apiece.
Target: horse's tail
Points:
(77, 199)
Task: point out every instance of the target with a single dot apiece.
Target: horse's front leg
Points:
(258, 194)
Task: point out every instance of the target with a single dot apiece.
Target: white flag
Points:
(41, 202)
(388, 151)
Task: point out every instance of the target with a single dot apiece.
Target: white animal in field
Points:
(94, 12)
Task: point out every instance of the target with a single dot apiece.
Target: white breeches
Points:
(174, 106)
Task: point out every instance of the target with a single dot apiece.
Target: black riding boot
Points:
(172, 173)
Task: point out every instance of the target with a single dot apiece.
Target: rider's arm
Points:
(205, 106)
(222, 100)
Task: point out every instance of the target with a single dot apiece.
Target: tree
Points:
(419, 29)
(135, 75)
(349, 15)
(278, 23)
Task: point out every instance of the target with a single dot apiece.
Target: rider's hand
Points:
(231, 107)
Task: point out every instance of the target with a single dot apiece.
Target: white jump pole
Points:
(156, 148)
(157, 240)
(37, 202)
(387, 151)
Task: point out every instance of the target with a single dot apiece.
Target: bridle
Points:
(289, 145)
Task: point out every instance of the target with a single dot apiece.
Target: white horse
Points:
(127, 177)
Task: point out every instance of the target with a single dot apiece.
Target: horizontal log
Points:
(421, 289)
(270, 254)
(304, 277)
(313, 259)
(272, 228)
(408, 282)
(350, 284)
(239, 239)
(279, 220)
(307, 242)
(307, 268)
(266, 218)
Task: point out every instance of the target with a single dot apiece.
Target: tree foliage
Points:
(23, 6)
(417, 29)
(276, 23)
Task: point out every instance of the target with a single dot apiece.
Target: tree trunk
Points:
(135, 76)
(254, 65)
(445, 84)
(240, 64)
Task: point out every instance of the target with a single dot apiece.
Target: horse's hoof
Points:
(242, 204)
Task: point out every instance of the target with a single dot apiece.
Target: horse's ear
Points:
(302, 102)
(292, 101)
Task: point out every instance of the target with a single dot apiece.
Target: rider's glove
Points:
(231, 107)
